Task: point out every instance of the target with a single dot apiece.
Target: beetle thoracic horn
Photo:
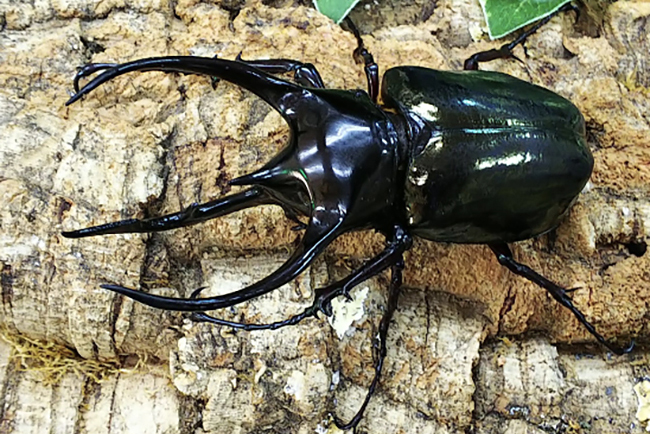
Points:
(317, 237)
(261, 176)
(269, 88)
(193, 214)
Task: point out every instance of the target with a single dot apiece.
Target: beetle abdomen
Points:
(494, 158)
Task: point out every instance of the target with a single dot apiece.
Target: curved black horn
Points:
(193, 214)
(271, 89)
(321, 231)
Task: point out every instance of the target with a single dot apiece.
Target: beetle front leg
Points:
(305, 74)
(324, 296)
(504, 256)
(392, 257)
(271, 89)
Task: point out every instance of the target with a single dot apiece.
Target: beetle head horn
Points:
(273, 90)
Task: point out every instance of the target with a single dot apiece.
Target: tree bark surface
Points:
(472, 348)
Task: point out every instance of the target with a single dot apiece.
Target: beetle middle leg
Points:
(504, 256)
(327, 295)
(379, 345)
(362, 55)
(505, 51)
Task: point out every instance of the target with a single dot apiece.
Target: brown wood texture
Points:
(472, 347)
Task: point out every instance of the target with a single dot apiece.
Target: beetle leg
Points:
(324, 296)
(505, 51)
(305, 74)
(204, 317)
(193, 214)
(275, 91)
(362, 55)
(379, 345)
(400, 242)
(504, 256)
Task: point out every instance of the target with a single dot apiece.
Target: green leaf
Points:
(505, 16)
(335, 9)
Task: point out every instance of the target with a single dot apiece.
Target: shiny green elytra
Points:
(494, 158)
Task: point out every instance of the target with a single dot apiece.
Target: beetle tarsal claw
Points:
(89, 69)
(512, 56)
(630, 347)
(325, 306)
(619, 351)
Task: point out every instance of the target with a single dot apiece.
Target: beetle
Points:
(471, 157)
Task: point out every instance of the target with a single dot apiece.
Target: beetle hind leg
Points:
(505, 51)
(504, 256)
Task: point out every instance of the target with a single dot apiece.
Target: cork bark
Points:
(471, 348)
